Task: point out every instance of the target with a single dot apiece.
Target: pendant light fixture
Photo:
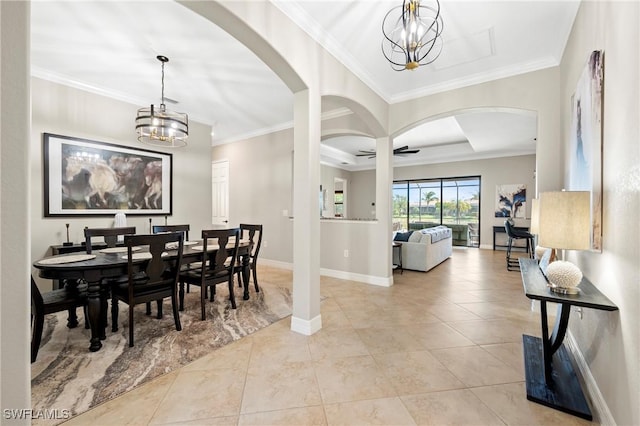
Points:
(412, 34)
(159, 126)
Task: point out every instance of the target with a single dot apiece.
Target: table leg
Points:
(95, 298)
(549, 374)
(95, 317)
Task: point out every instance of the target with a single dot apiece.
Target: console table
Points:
(500, 229)
(550, 377)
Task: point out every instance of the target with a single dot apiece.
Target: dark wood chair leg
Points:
(231, 295)
(176, 316)
(130, 326)
(114, 314)
(255, 277)
(148, 311)
(181, 296)
(159, 303)
(203, 299)
(38, 326)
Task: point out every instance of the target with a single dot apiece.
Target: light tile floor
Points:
(437, 348)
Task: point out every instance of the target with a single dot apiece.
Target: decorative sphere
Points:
(564, 274)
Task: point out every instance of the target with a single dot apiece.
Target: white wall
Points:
(260, 188)
(535, 91)
(495, 171)
(610, 341)
(71, 112)
(14, 202)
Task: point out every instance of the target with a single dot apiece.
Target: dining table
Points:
(96, 269)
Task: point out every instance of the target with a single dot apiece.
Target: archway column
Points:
(384, 196)
(15, 250)
(306, 212)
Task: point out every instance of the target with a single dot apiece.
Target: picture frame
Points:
(83, 177)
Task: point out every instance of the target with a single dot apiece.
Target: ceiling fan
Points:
(397, 151)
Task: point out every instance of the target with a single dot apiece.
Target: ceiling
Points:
(109, 48)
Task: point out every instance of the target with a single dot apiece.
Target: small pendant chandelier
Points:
(161, 127)
(412, 34)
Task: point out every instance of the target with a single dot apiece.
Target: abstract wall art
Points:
(84, 177)
(585, 144)
(511, 200)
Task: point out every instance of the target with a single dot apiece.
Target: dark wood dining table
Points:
(96, 270)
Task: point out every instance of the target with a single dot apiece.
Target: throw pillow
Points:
(415, 237)
(403, 236)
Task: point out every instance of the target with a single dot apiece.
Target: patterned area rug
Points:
(66, 376)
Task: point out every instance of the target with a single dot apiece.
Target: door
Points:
(220, 192)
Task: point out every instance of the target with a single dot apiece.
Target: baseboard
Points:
(599, 407)
(333, 273)
(351, 276)
(306, 327)
(276, 264)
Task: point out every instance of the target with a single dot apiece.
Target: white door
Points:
(220, 192)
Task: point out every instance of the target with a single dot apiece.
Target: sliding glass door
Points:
(454, 202)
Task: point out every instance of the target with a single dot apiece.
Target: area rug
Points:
(67, 376)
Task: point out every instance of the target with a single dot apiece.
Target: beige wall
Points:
(71, 112)
(495, 171)
(610, 341)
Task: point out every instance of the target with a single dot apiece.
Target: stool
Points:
(516, 234)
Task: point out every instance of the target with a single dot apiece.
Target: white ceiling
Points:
(109, 47)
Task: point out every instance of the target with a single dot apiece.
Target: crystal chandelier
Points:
(412, 34)
(159, 126)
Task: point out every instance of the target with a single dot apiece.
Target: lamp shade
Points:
(534, 228)
(564, 220)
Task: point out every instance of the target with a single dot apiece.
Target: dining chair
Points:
(157, 229)
(110, 236)
(473, 234)
(517, 234)
(156, 281)
(63, 299)
(217, 266)
(254, 235)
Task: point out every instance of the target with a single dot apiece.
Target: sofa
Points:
(459, 232)
(424, 249)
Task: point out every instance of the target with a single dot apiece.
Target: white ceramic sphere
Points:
(564, 274)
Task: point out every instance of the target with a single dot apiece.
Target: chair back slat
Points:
(156, 229)
(155, 271)
(255, 237)
(110, 235)
(218, 263)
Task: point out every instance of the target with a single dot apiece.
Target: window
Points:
(454, 202)
(338, 202)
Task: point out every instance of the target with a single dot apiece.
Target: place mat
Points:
(209, 247)
(57, 260)
(118, 249)
(174, 245)
(145, 255)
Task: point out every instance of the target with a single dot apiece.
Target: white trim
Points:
(344, 275)
(351, 276)
(306, 327)
(277, 264)
(601, 411)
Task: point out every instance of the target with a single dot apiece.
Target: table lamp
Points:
(534, 228)
(564, 222)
